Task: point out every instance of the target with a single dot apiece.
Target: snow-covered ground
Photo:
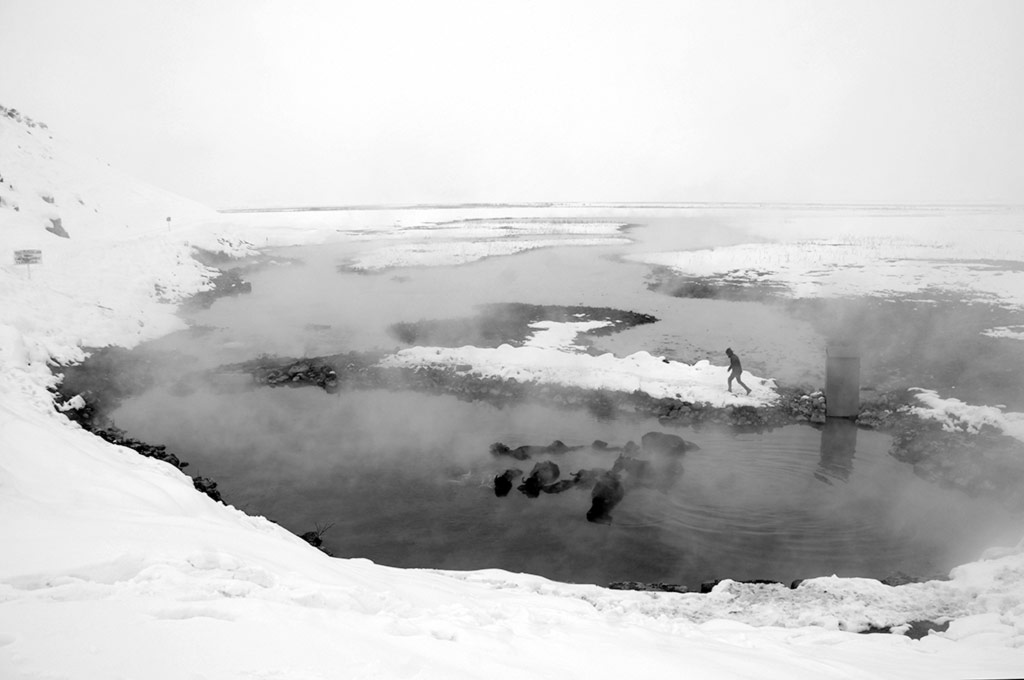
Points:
(972, 255)
(113, 566)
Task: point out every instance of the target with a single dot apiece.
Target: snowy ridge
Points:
(118, 276)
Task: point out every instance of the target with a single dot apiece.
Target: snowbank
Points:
(701, 382)
(122, 569)
(958, 416)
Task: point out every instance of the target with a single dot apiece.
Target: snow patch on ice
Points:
(958, 416)
(1010, 332)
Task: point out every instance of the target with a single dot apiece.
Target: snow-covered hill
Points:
(113, 566)
(112, 266)
(42, 180)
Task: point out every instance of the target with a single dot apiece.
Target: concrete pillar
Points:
(842, 381)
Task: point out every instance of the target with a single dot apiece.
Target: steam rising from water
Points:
(406, 478)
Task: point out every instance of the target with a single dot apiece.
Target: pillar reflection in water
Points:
(838, 444)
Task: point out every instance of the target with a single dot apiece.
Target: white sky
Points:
(288, 103)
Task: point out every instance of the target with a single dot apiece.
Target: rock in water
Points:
(503, 482)
(661, 442)
(541, 475)
(607, 493)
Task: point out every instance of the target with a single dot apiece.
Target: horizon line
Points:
(618, 204)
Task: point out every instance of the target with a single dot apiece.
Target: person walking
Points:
(735, 370)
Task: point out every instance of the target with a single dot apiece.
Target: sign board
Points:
(28, 256)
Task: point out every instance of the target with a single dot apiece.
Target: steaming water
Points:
(405, 478)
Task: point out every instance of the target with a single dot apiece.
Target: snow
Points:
(428, 254)
(958, 416)
(562, 336)
(1011, 332)
(966, 255)
(114, 566)
(699, 382)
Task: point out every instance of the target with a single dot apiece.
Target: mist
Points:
(242, 104)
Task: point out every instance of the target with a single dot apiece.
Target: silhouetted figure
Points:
(735, 369)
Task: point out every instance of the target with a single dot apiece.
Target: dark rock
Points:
(544, 473)
(899, 578)
(528, 451)
(607, 493)
(636, 469)
(587, 478)
(313, 538)
(301, 367)
(661, 442)
(559, 486)
(207, 486)
(57, 228)
(541, 475)
(503, 482)
(649, 587)
(599, 445)
(499, 449)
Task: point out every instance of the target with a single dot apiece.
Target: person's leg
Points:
(731, 376)
(742, 384)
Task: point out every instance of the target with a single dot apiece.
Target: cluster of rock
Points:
(352, 370)
(810, 407)
(298, 374)
(988, 463)
(117, 436)
(607, 486)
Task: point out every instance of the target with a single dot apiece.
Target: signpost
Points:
(28, 258)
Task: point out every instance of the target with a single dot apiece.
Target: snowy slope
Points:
(113, 566)
(117, 275)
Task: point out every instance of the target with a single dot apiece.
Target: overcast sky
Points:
(246, 103)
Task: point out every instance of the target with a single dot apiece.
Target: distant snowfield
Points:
(114, 566)
(864, 265)
(462, 251)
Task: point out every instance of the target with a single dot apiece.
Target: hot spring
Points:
(406, 478)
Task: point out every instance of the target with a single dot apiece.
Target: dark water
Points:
(405, 479)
